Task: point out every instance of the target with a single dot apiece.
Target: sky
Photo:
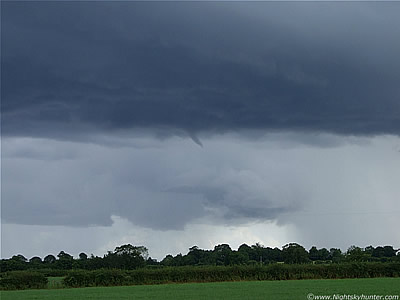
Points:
(174, 124)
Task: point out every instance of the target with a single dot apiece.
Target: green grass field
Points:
(290, 289)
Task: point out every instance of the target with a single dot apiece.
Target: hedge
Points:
(22, 280)
(115, 277)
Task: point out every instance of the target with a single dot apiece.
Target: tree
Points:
(36, 260)
(179, 260)
(369, 250)
(83, 256)
(130, 250)
(335, 254)
(378, 252)
(193, 257)
(19, 258)
(244, 248)
(222, 254)
(355, 253)
(168, 260)
(258, 252)
(293, 253)
(151, 262)
(388, 251)
(64, 255)
(323, 254)
(94, 263)
(313, 253)
(17, 262)
(65, 260)
(247, 251)
(126, 257)
(49, 259)
(238, 258)
(318, 254)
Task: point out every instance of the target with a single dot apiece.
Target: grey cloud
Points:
(168, 188)
(229, 182)
(78, 68)
(78, 184)
(221, 205)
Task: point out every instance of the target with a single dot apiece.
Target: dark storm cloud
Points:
(70, 68)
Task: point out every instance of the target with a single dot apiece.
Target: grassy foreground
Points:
(289, 289)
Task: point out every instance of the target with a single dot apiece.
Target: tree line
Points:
(129, 257)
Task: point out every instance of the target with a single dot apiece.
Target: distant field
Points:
(289, 289)
(55, 282)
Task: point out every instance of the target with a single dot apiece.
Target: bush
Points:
(52, 272)
(78, 278)
(22, 280)
(110, 277)
(107, 277)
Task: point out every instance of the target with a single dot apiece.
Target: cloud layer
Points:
(80, 67)
(168, 184)
(272, 190)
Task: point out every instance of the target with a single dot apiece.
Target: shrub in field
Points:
(111, 277)
(79, 278)
(22, 280)
(102, 277)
